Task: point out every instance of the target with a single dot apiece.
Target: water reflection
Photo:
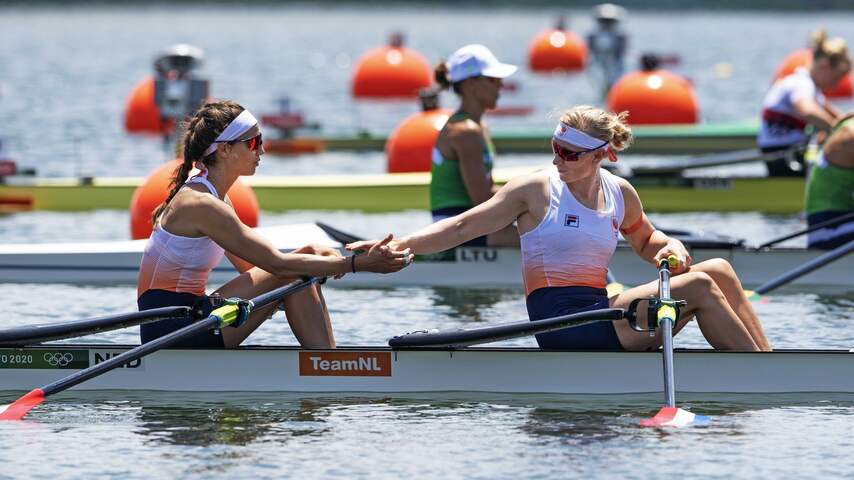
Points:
(241, 421)
(473, 304)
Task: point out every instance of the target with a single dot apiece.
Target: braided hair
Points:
(200, 131)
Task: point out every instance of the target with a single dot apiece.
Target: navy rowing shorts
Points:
(164, 298)
(551, 302)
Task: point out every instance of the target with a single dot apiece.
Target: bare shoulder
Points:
(464, 130)
(200, 203)
(529, 183)
(627, 189)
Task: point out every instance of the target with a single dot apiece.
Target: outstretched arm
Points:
(494, 214)
(221, 224)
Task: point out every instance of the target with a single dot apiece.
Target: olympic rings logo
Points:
(57, 359)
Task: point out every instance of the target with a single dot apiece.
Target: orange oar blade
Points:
(17, 410)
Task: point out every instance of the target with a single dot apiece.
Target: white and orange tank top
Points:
(782, 125)
(178, 264)
(573, 244)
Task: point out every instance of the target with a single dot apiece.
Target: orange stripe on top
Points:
(573, 244)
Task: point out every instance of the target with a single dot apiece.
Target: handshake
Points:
(379, 256)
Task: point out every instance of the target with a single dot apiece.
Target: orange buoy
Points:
(155, 188)
(391, 71)
(654, 96)
(141, 113)
(557, 49)
(802, 57)
(843, 89)
(410, 145)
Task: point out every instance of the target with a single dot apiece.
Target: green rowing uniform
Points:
(447, 189)
(830, 188)
(829, 194)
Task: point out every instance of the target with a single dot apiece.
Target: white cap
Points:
(609, 11)
(473, 60)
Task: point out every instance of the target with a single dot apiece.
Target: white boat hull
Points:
(118, 263)
(369, 369)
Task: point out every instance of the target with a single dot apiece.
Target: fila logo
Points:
(571, 220)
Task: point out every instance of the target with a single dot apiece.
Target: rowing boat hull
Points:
(405, 191)
(368, 369)
(661, 139)
(118, 263)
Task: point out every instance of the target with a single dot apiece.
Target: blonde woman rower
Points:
(569, 218)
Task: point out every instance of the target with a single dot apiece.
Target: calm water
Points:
(64, 78)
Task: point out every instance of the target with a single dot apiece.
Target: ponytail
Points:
(199, 133)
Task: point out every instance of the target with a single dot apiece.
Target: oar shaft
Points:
(713, 160)
(828, 223)
(57, 331)
(666, 327)
(276, 295)
(129, 356)
(465, 338)
(806, 268)
(669, 376)
(212, 321)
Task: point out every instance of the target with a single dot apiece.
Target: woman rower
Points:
(461, 172)
(197, 225)
(830, 188)
(795, 101)
(568, 219)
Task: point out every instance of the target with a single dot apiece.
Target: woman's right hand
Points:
(380, 258)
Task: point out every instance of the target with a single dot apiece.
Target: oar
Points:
(219, 318)
(667, 313)
(828, 223)
(28, 335)
(713, 160)
(802, 270)
(476, 336)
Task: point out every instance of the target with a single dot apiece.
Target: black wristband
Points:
(353, 263)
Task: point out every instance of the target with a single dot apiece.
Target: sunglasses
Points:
(253, 143)
(569, 156)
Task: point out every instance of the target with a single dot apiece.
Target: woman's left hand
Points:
(675, 247)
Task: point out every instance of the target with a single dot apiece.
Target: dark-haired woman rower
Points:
(197, 225)
(463, 155)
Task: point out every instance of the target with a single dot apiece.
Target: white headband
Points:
(572, 136)
(240, 125)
